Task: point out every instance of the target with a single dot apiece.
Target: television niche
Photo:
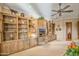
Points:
(41, 32)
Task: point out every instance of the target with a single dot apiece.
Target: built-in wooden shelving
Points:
(13, 32)
(33, 32)
(18, 32)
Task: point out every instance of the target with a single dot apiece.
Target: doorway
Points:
(68, 31)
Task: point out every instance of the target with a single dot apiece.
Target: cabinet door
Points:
(5, 48)
(20, 45)
(26, 44)
(68, 30)
(41, 40)
(13, 46)
(33, 42)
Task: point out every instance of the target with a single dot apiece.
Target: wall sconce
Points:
(11, 20)
(58, 28)
(33, 35)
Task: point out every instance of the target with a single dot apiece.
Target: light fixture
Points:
(11, 35)
(11, 20)
(22, 22)
(58, 28)
(33, 35)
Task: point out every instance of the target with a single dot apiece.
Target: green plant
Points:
(72, 51)
(41, 18)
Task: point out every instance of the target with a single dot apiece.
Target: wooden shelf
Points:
(9, 23)
(11, 31)
(22, 28)
(10, 15)
(22, 24)
(14, 33)
(22, 32)
(24, 18)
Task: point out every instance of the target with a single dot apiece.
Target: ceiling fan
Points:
(62, 10)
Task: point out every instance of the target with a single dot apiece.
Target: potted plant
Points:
(41, 18)
(72, 50)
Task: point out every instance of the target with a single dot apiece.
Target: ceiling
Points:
(44, 9)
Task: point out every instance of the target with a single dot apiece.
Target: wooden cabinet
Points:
(23, 41)
(26, 44)
(33, 32)
(22, 29)
(33, 42)
(42, 30)
(13, 46)
(20, 45)
(41, 40)
(5, 48)
(23, 44)
(9, 47)
(14, 32)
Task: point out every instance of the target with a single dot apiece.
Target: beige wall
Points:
(61, 35)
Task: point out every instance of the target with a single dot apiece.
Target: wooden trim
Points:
(17, 28)
(78, 29)
(53, 28)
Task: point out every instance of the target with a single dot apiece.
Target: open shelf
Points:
(14, 32)
(22, 29)
(9, 28)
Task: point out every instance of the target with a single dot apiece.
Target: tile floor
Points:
(54, 48)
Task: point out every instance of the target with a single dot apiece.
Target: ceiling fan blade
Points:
(54, 14)
(54, 10)
(67, 11)
(59, 6)
(60, 14)
(66, 7)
